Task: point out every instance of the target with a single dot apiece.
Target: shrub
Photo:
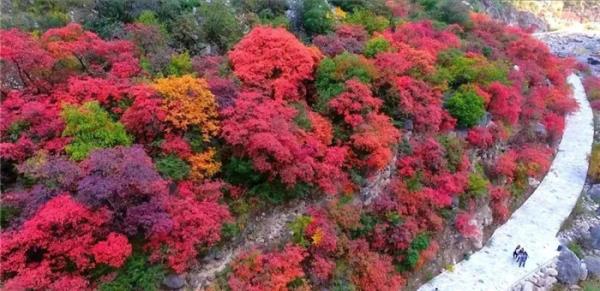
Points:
(267, 271)
(592, 87)
(375, 46)
(499, 203)
(415, 100)
(452, 11)
(273, 61)
(172, 167)
(467, 107)
(298, 227)
(347, 38)
(196, 224)
(464, 226)
(505, 104)
(480, 137)
(594, 170)
(478, 185)
(506, 164)
(35, 256)
(316, 17)
(371, 270)
(179, 65)
(219, 25)
(369, 20)
(535, 159)
(577, 249)
(188, 102)
(91, 128)
(334, 72)
(136, 274)
(285, 151)
(355, 103)
(460, 69)
(203, 165)
(125, 181)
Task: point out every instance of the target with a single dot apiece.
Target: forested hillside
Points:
(137, 137)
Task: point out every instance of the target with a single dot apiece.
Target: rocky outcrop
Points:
(594, 239)
(568, 267)
(511, 15)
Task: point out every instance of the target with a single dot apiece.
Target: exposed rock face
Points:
(482, 218)
(377, 183)
(594, 240)
(593, 266)
(510, 15)
(568, 267)
(594, 193)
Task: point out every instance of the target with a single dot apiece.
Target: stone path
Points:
(535, 224)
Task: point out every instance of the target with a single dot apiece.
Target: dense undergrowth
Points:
(126, 157)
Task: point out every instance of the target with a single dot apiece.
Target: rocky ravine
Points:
(267, 230)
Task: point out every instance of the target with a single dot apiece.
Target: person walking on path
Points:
(524, 257)
(516, 252)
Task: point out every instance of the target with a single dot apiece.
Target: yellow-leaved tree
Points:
(188, 102)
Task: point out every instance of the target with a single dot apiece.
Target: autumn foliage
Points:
(136, 155)
(274, 61)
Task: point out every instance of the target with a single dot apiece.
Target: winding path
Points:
(535, 224)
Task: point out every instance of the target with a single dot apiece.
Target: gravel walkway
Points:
(535, 224)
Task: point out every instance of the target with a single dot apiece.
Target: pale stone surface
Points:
(535, 224)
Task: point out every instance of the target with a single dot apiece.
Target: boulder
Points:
(568, 267)
(593, 266)
(594, 240)
(540, 129)
(594, 193)
(173, 282)
(584, 272)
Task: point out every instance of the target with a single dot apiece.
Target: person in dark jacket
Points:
(524, 255)
(516, 252)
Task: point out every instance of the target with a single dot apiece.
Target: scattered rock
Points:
(568, 267)
(527, 286)
(533, 182)
(549, 281)
(552, 272)
(408, 125)
(173, 282)
(593, 266)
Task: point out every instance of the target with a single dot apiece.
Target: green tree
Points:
(467, 107)
(369, 20)
(91, 127)
(316, 16)
(173, 167)
(219, 25)
(375, 46)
